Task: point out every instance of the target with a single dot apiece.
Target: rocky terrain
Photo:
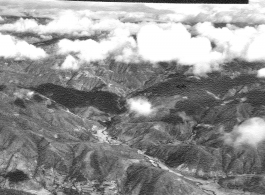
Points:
(68, 132)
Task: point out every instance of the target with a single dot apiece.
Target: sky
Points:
(52, 6)
(178, 11)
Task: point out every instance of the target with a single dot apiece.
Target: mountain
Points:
(73, 132)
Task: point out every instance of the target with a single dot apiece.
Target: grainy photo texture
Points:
(112, 98)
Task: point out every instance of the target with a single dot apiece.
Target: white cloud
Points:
(175, 43)
(256, 50)
(246, 43)
(140, 106)
(252, 13)
(72, 23)
(158, 42)
(127, 55)
(1, 18)
(67, 22)
(21, 25)
(13, 48)
(119, 44)
(251, 132)
(261, 72)
(110, 25)
(70, 63)
(88, 50)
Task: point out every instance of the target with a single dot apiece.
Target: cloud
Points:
(261, 73)
(80, 23)
(140, 106)
(252, 13)
(13, 48)
(21, 25)
(256, 49)
(119, 44)
(246, 43)
(170, 41)
(1, 18)
(251, 132)
(231, 42)
(88, 50)
(70, 63)
(175, 43)
(67, 22)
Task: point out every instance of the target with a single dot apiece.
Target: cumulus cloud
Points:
(246, 43)
(251, 132)
(88, 50)
(120, 44)
(261, 73)
(13, 48)
(66, 23)
(21, 25)
(256, 49)
(70, 63)
(140, 106)
(175, 43)
(231, 42)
